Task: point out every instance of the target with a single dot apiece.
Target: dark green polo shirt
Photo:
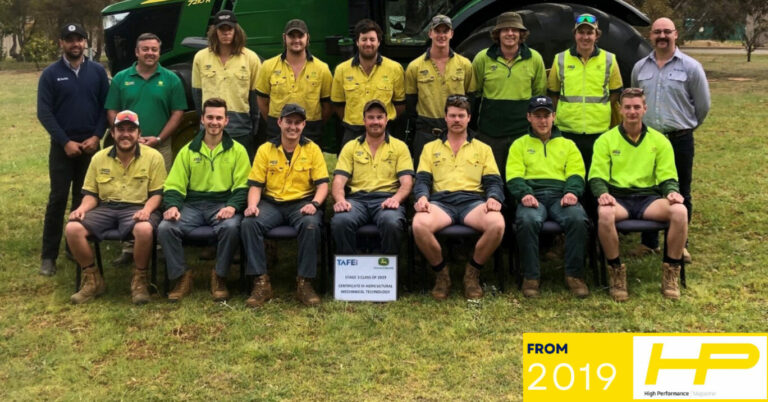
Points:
(153, 99)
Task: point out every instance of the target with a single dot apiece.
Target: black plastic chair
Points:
(114, 235)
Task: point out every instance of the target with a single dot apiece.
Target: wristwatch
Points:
(315, 204)
(159, 140)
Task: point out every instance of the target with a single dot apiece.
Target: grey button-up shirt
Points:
(677, 94)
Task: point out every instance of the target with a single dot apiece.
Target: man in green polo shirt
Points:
(633, 176)
(153, 92)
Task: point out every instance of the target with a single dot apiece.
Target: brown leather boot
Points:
(669, 281)
(218, 287)
(182, 288)
(617, 278)
(472, 288)
(305, 293)
(442, 284)
(261, 292)
(91, 286)
(139, 288)
(531, 288)
(577, 286)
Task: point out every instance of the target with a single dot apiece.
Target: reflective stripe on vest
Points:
(580, 113)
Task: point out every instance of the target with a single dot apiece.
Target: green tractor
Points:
(182, 25)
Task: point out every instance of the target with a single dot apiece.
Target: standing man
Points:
(367, 75)
(584, 83)
(153, 92)
(288, 185)
(123, 189)
(508, 73)
(430, 79)
(70, 106)
(377, 171)
(296, 76)
(206, 187)
(678, 102)
(546, 176)
(458, 183)
(633, 176)
(226, 69)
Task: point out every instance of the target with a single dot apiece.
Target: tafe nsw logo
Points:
(700, 367)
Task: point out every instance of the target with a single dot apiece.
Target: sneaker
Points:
(577, 286)
(442, 284)
(48, 267)
(617, 278)
(670, 274)
(531, 288)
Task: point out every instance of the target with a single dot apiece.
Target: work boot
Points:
(617, 278)
(218, 287)
(261, 292)
(669, 281)
(139, 287)
(531, 288)
(92, 285)
(577, 286)
(442, 284)
(305, 293)
(182, 288)
(472, 288)
(48, 267)
(686, 256)
(641, 250)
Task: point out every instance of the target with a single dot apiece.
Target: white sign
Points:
(365, 278)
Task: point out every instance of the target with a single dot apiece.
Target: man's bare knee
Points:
(75, 229)
(606, 215)
(142, 230)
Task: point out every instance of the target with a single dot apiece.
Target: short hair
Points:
(214, 102)
(148, 36)
(632, 93)
(460, 101)
(367, 25)
(238, 41)
(523, 35)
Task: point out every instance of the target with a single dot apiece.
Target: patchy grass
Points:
(413, 349)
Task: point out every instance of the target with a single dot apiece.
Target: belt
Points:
(679, 133)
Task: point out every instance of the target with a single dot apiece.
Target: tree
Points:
(756, 27)
(17, 19)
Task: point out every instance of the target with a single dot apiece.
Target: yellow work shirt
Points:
(231, 81)
(422, 78)
(283, 181)
(353, 87)
(377, 173)
(461, 172)
(107, 179)
(277, 82)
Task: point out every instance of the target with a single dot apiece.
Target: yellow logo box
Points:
(640, 366)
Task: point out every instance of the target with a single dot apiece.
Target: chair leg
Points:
(592, 256)
(411, 262)
(498, 266)
(244, 284)
(97, 252)
(153, 265)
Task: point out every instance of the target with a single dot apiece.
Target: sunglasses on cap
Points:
(586, 18)
(127, 116)
(459, 98)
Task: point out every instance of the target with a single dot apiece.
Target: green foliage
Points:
(40, 49)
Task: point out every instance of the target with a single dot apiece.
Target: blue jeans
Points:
(272, 215)
(391, 223)
(194, 215)
(572, 219)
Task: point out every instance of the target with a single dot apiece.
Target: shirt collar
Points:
(623, 133)
(678, 54)
(555, 132)
(276, 141)
(361, 139)
(226, 141)
(309, 55)
(356, 59)
(133, 71)
(444, 136)
(523, 51)
(427, 53)
(113, 151)
(69, 65)
(575, 53)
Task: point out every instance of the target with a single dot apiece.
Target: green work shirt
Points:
(622, 167)
(153, 99)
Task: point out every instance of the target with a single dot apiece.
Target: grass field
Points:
(413, 349)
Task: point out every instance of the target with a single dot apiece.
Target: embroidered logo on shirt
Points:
(616, 152)
(104, 171)
(129, 83)
(531, 151)
(62, 79)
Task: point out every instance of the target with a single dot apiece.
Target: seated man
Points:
(288, 184)
(633, 176)
(206, 187)
(545, 175)
(466, 188)
(123, 188)
(379, 172)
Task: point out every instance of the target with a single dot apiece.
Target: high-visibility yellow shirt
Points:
(231, 81)
(283, 181)
(377, 173)
(277, 82)
(109, 181)
(461, 172)
(353, 87)
(422, 78)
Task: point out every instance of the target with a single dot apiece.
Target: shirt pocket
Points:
(312, 91)
(473, 169)
(362, 161)
(105, 183)
(302, 176)
(210, 78)
(644, 76)
(383, 92)
(455, 84)
(676, 80)
(278, 87)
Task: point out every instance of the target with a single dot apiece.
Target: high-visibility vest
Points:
(584, 106)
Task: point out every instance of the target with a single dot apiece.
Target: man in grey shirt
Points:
(677, 94)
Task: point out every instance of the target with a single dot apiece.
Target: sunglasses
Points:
(662, 31)
(586, 18)
(127, 116)
(458, 98)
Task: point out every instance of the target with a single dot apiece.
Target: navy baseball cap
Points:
(540, 102)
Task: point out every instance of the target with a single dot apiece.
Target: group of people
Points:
(539, 143)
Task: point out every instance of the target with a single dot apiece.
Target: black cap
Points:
(292, 108)
(225, 17)
(540, 102)
(374, 102)
(296, 25)
(73, 28)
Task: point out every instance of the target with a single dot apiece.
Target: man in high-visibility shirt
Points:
(584, 83)
(430, 79)
(633, 176)
(545, 173)
(295, 76)
(366, 76)
(508, 74)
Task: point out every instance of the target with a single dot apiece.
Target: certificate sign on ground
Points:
(365, 278)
